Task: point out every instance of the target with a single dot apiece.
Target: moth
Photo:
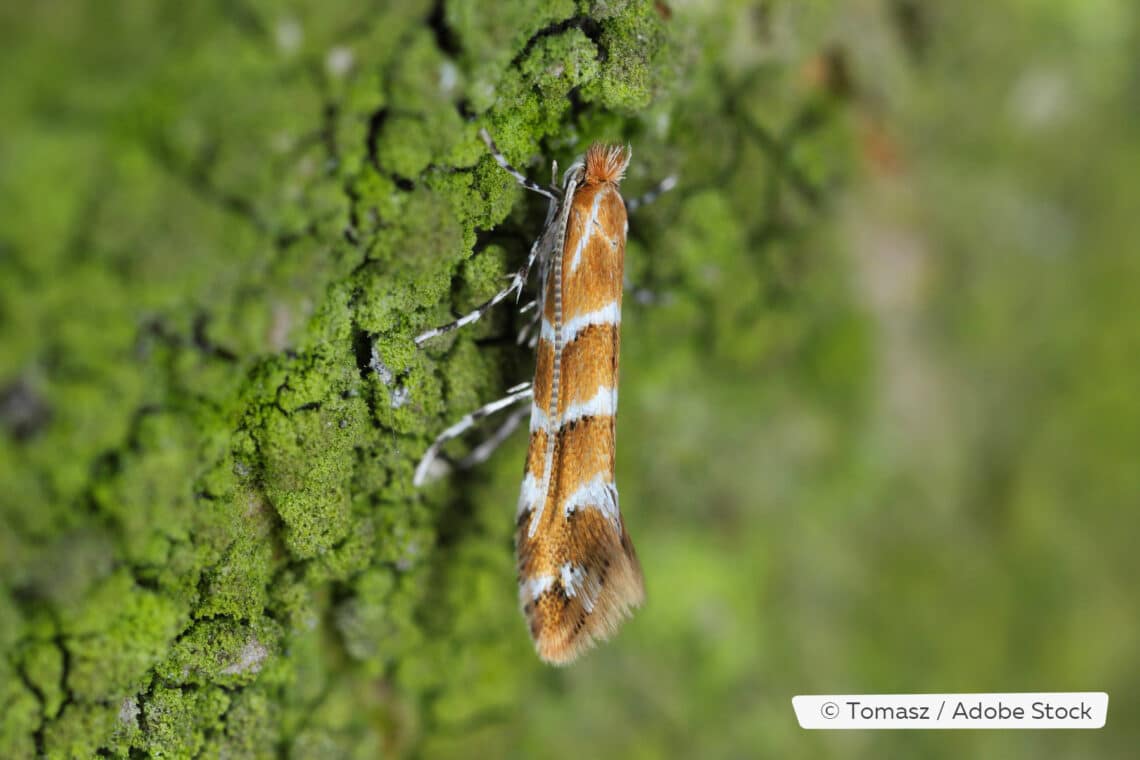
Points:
(578, 573)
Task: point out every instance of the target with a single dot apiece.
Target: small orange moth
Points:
(578, 573)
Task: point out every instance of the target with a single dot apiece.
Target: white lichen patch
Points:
(400, 396)
(397, 396)
(249, 660)
(377, 365)
(129, 713)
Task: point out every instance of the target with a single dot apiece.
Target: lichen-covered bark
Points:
(223, 222)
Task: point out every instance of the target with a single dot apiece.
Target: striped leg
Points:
(514, 395)
(528, 335)
(483, 451)
(518, 280)
(552, 192)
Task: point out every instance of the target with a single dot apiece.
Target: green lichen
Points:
(22, 713)
(179, 720)
(222, 652)
(116, 635)
(557, 65)
(42, 665)
(83, 729)
(638, 60)
(249, 729)
(489, 40)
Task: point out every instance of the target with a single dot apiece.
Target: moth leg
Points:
(518, 280)
(483, 451)
(514, 395)
(664, 186)
(552, 192)
(527, 333)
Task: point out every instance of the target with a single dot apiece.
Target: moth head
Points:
(606, 163)
(601, 163)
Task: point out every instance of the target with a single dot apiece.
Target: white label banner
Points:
(1061, 709)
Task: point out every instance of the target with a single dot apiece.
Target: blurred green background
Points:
(879, 427)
